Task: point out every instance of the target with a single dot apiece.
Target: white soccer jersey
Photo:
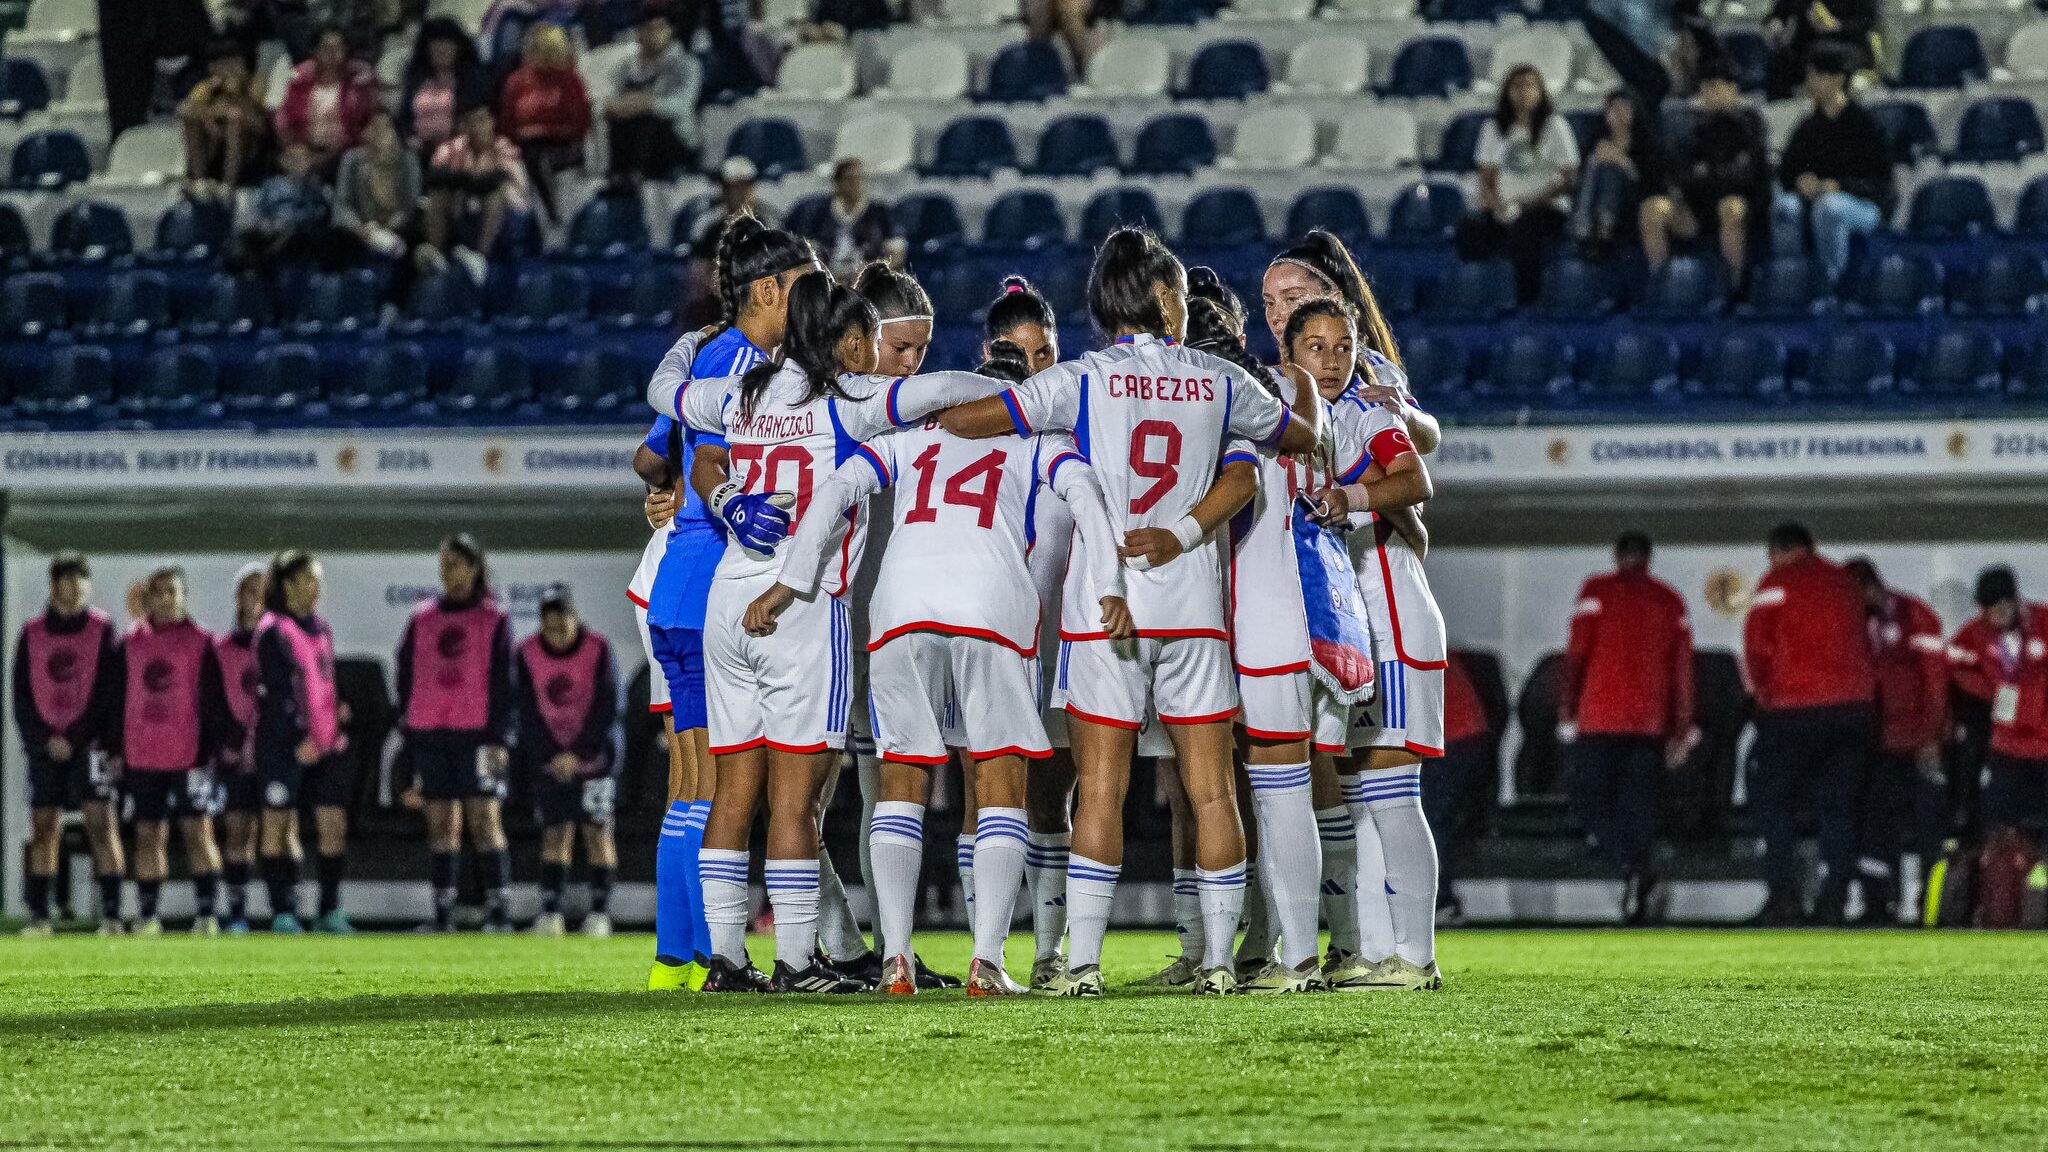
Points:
(1152, 417)
(1268, 622)
(961, 533)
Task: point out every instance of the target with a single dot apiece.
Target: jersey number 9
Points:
(1163, 469)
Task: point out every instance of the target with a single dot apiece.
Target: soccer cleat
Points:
(1178, 974)
(238, 927)
(548, 924)
(985, 978)
(1397, 975)
(335, 923)
(1346, 971)
(1217, 981)
(697, 971)
(38, 930)
(866, 968)
(597, 926)
(1084, 981)
(1250, 968)
(149, 927)
(206, 926)
(111, 928)
(286, 924)
(898, 978)
(855, 971)
(1046, 969)
(814, 979)
(1277, 980)
(666, 976)
(722, 975)
(930, 980)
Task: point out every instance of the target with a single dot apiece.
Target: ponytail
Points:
(1123, 287)
(821, 313)
(1322, 253)
(1020, 304)
(749, 250)
(895, 295)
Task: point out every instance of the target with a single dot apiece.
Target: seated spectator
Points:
(289, 215)
(1721, 173)
(851, 230)
(1624, 163)
(377, 195)
(476, 186)
(652, 117)
(328, 101)
(443, 80)
(1073, 21)
(224, 122)
(545, 110)
(1795, 27)
(735, 197)
(1528, 166)
(1835, 175)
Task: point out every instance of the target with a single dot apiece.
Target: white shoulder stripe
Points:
(1590, 606)
(1767, 598)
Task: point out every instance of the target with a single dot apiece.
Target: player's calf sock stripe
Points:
(1077, 869)
(1353, 788)
(1228, 877)
(1091, 889)
(725, 902)
(985, 825)
(1183, 885)
(1268, 779)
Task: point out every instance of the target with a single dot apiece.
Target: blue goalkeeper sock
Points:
(700, 929)
(675, 882)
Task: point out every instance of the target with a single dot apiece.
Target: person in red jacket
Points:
(1970, 689)
(545, 109)
(328, 101)
(1806, 652)
(1904, 794)
(1625, 711)
(2010, 655)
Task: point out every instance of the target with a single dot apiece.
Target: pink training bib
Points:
(565, 686)
(62, 668)
(313, 656)
(160, 720)
(451, 666)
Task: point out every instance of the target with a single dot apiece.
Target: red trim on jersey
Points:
(1151, 633)
(1260, 734)
(1026, 651)
(846, 553)
(881, 469)
(734, 749)
(1275, 670)
(1232, 458)
(1052, 470)
(1103, 721)
(661, 709)
(919, 761)
(1013, 750)
(796, 749)
(1394, 615)
(1333, 749)
(1423, 749)
(1217, 718)
(635, 599)
(1279, 430)
(1016, 413)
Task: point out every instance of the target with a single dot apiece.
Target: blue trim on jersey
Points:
(1017, 419)
(843, 446)
(1081, 424)
(1053, 473)
(1286, 418)
(889, 404)
(881, 470)
(1251, 458)
(1031, 499)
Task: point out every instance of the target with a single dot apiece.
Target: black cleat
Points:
(928, 980)
(1639, 899)
(817, 978)
(722, 975)
(855, 971)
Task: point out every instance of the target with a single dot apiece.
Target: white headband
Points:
(1309, 268)
(901, 320)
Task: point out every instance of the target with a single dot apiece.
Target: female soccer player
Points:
(242, 811)
(568, 711)
(1156, 419)
(298, 718)
(455, 703)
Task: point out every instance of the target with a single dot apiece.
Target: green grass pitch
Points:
(1596, 1040)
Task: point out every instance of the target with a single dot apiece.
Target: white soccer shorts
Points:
(1336, 731)
(1276, 707)
(657, 682)
(917, 678)
(1184, 679)
(789, 690)
(1407, 712)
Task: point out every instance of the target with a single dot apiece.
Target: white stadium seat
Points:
(1332, 65)
(1131, 64)
(468, 13)
(884, 141)
(929, 69)
(62, 19)
(976, 13)
(1371, 9)
(2026, 54)
(1379, 138)
(1268, 10)
(1547, 48)
(147, 154)
(784, 13)
(1273, 139)
(816, 72)
(87, 84)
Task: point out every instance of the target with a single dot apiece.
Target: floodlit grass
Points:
(1540, 1040)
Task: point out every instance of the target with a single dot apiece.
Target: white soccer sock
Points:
(963, 859)
(722, 874)
(1375, 919)
(999, 837)
(1289, 857)
(1045, 867)
(836, 925)
(896, 845)
(1338, 839)
(793, 893)
(1395, 800)
(868, 771)
(1257, 941)
(1222, 903)
(1091, 889)
(1187, 913)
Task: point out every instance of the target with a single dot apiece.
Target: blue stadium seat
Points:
(1849, 364)
(31, 305)
(79, 379)
(2031, 376)
(1029, 71)
(1742, 364)
(1177, 144)
(14, 239)
(1221, 217)
(1113, 208)
(1480, 290)
(337, 302)
(2002, 282)
(1533, 365)
(973, 146)
(1226, 70)
(1908, 130)
(1575, 289)
(807, 215)
(546, 297)
(1078, 145)
(610, 227)
(1959, 362)
(1436, 365)
(490, 380)
(90, 231)
(442, 300)
(227, 305)
(771, 142)
(279, 379)
(1459, 143)
(1634, 364)
(1338, 211)
(1947, 207)
(1786, 287)
(24, 88)
(1749, 58)
(601, 381)
(50, 159)
(654, 293)
(1998, 129)
(1428, 66)
(930, 222)
(2030, 219)
(131, 304)
(1686, 288)
(1898, 286)
(1027, 218)
(1588, 125)
(179, 380)
(1425, 213)
(388, 376)
(192, 230)
(1942, 56)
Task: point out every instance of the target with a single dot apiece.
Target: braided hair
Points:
(748, 251)
(1006, 361)
(1216, 321)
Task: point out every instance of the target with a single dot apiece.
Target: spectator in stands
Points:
(1720, 173)
(1458, 790)
(476, 186)
(851, 229)
(1905, 794)
(736, 178)
(1528, 166)
(224, 123)
(652, 118)
(377, 195)
(289, 217)
(1795, 27)
(545, 110)
(1624, 712)
(248, 23)
(1835, 175)
(2007, 654)
(327, 101)
(1073, 21)
(1624, 165)
(1806, 650)
(443, 80)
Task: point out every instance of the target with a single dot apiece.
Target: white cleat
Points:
(206, 926)
(1346, 971)
(149, 927)
(1276, 980)
(548, 924)
(1084, 981)
(988, 979)
(111, 928)
(1046, 969)
(1218, 981)
(1397, 975)
(37, 930)
(598, 926)
(1179, 974)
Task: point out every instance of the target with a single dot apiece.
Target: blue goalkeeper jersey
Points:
(695, 543)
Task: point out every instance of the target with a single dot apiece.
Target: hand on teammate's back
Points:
(1116, 618)
(761, 614)
(1157, 547)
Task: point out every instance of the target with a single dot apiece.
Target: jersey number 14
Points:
(974, 486)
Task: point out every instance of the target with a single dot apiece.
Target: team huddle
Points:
(1043, 568)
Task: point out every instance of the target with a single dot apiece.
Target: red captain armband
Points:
(1388, 444)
